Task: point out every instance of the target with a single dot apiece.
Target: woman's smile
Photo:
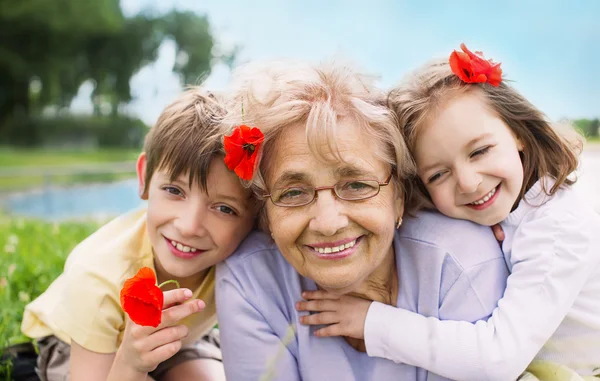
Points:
(335, 250)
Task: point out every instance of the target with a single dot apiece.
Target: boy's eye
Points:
(173, 190)
(225, 209)
(481, 151)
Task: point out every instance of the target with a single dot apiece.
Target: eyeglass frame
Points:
(332, 188)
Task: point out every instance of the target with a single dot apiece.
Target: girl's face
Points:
(468, 159)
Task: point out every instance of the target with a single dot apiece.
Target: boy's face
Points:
(191, 230)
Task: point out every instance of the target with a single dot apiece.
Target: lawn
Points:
(39, 160)
(32, 254)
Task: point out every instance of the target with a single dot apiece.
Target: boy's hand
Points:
(143, 348)
(345, 315)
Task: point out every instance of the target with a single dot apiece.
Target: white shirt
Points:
(550, 309)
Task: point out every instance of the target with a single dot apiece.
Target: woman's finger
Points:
(317, 305)
(320, 318)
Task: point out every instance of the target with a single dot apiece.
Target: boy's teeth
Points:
(485, 198)
(183, 248)
(334, 249)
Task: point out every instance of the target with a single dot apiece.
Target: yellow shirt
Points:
(83, 304)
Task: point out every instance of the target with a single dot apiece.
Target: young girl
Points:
(197, 214)
(485, 154)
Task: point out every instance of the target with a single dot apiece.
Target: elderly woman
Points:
(332, 173)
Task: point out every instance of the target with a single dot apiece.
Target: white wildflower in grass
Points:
(11, 269)
(13, 239)
(9, 249)
(24, 296)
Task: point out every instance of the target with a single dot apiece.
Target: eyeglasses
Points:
(349, 190)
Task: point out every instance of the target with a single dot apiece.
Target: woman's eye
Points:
(292, 193)
(173, 190)
(226, 210)
(481, 151)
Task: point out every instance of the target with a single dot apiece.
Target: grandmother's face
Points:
(336, 243)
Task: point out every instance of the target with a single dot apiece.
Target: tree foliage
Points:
(48, 48)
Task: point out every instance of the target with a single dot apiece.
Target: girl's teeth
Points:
(335, 249)
(486, 198)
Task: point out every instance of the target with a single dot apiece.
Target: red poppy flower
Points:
(474, 68)
(241, 150)
(142, 299)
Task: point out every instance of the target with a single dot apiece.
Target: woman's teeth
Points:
(183, 248)
(334, 249)
(485, 198)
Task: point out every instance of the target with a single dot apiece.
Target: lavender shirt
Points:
(447, 268)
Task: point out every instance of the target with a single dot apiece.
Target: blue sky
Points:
(550, 49)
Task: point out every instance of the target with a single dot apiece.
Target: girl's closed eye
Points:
(481, 151)
(435, 177)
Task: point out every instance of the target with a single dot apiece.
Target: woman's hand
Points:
(344, 315)
(143, 348)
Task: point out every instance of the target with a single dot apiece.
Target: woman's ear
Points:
(141, 174)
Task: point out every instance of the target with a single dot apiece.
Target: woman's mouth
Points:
(182, 251)
(336, 250)
(486, 200)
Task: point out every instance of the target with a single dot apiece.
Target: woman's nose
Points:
(329, 216)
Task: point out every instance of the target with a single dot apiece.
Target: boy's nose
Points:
(191, 222)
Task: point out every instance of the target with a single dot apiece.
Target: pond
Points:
(84, 201)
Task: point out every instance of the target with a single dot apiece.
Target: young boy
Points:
(197, 214)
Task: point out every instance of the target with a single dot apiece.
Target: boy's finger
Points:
(162, 353)
(320, 318)
(318, 305)
(319, 294)
(177, 296)
(165, 336)
(174, 314)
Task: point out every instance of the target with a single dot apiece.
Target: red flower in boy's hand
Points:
(241, 150)
(142, 299)
(474, 68)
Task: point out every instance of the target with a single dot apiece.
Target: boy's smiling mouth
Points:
(181, 250)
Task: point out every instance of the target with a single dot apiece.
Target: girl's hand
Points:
(345, 315)
(143, 348)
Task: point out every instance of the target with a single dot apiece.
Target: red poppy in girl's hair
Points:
(474, 68)
(241, 150)
(142, 299)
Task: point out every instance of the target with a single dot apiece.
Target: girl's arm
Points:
(252, 349)
(551, 263)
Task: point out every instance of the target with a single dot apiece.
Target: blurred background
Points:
(82, 81)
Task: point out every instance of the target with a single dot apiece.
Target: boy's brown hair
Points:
(186, 137)
(549, 150)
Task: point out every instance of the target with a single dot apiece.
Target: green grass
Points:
(40, 158)
(32, 255)
(12, 157)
